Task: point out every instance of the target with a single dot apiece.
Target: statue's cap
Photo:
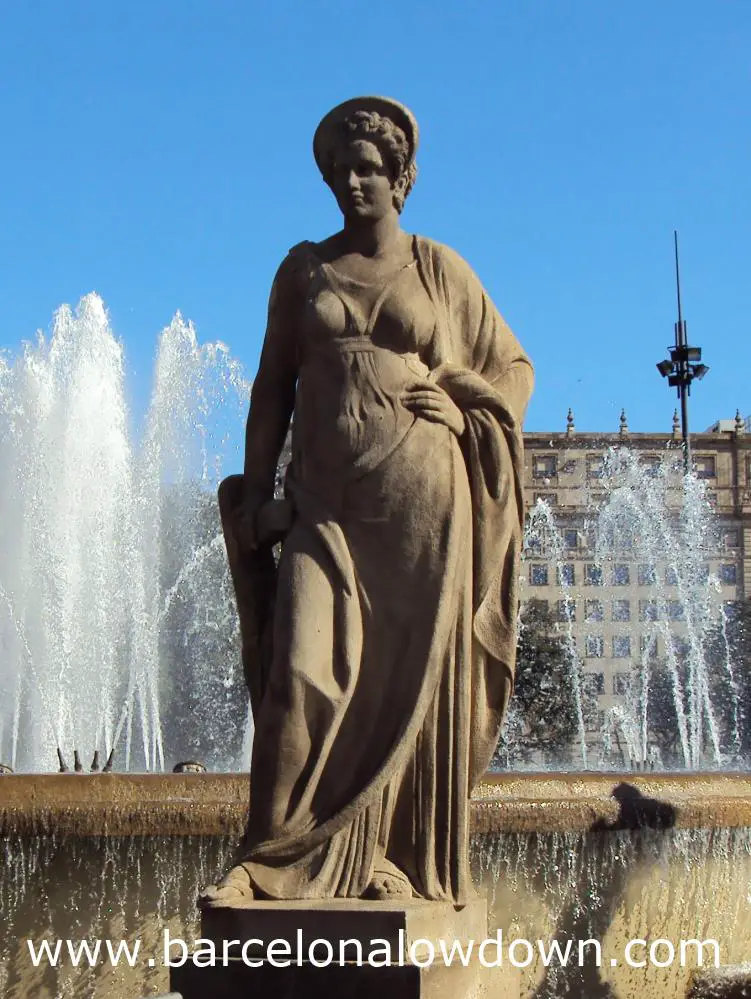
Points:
(384, 106)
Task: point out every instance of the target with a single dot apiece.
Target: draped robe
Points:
(379, 686)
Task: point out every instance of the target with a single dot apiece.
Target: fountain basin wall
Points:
(216, 804)
(569, 856)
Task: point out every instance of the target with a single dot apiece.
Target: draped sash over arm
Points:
(478, 361)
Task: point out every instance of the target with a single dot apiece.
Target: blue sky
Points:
(159, 153)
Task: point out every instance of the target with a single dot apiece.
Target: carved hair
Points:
(391, 141)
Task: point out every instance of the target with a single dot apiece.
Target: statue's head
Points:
(365, 150)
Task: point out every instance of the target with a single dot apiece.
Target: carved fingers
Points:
(430, 402)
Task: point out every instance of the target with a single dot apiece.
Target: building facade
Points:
(608, 609)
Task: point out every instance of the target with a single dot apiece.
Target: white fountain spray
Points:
(660, 523)
(89, 549)
(663, 521)
(542, 535)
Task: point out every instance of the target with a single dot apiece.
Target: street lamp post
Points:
(684, 365)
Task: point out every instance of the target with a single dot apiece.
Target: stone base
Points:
(396, 936)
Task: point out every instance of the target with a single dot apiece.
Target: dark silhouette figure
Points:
(580, 921)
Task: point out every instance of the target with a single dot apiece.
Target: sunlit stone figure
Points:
(380, 675)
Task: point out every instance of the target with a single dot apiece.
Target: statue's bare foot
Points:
(235, 889)
(388, 884)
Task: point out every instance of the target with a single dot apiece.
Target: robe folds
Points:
(379, 686)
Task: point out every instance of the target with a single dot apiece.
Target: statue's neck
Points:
(381, 238)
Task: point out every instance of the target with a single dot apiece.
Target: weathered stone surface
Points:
(217, 804)
(379, 653)
(399, 923)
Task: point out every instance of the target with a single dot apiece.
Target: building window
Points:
(592, 575)
(566, 610)
(647, 575)
(594, 683)
(533, 545)
(731, 609)
(594, 721)
(593, 610)
(570, 540)
(595, 467)
(543, 606)
(566, 574)
(681, 647)
(728, 574)
(621, 684)
(538, 575)
(620, 575)
(623, 540)
(544, 466)
(711, 497)
(621, 646)
(671, 576)
(651, 465)
(674, 610)
(551, 499)
(621, 610)
(594, 646)
(705, 466)
(732, 539)
(648, 610)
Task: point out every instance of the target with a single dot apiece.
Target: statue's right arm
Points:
(272, 398)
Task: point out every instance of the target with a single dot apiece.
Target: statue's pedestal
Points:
(344, 949)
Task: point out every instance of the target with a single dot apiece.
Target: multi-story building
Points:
(607, 608)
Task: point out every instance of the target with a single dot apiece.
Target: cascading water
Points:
(662, 525)
(116, 610)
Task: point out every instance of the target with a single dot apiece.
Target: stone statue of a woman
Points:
(381, 668)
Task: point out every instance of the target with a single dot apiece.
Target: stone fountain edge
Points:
(216, 804)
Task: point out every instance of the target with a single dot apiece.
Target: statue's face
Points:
(361, 181)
